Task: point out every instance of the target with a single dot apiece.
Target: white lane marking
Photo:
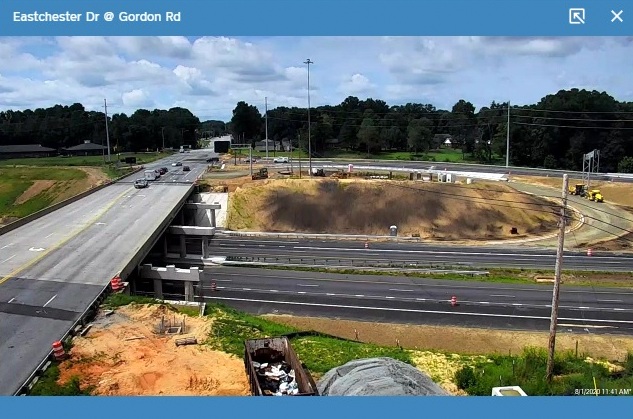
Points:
(8, 259)
(399, 290)
(36, 249)
(50, 301)
(49, 235)
(591, 326)
(359, 295)
(102, 224)
(301, 292)
(438, 252)
(8, 245)
(409, 310)
(502, 295)
(222, 280)
(307, 285)
(484, 287)
(11, 300)
(441, 300)
(610, 301)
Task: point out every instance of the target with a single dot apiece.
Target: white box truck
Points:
(151, 175)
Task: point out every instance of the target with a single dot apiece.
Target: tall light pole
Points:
(266, 101)
(508, 139)
(105, 108)
(308, 62)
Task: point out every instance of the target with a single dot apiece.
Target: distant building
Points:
(25, 151)
(272, 145)
(86, 149)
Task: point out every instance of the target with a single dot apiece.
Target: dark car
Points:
(185, 168)
(213, 160)
(163, 170)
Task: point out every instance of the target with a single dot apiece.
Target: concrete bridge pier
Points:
(190, 278)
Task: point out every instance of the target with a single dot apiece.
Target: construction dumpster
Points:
(274, 369)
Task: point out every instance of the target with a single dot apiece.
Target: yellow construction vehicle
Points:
(260, 174)
(595, 195)
(578, 189)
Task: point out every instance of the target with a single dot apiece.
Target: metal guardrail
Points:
(338, 263)
(325, 236)
(89, 312)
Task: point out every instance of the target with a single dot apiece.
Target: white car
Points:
(280, 160)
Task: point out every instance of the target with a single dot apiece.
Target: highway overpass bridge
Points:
(57, 267)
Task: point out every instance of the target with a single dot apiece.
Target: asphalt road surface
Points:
(454, 166)
(330, 251)
(419, 301)
(52, 268)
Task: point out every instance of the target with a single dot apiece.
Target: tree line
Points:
(554, 133)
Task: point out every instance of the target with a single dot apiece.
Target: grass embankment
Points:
(141, 158)
(495, 275)
(476, 375)
(24, 191)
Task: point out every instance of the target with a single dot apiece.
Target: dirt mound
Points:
(35, 189)
(430, 210)
(122, 355)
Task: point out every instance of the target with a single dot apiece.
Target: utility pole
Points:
(105, 107)
(266, 104)
(162, 132)
(250, 158)
(308, 62)
(299, 134)
(508, 139)
(557, 272)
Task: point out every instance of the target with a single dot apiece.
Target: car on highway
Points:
(254, 159)
(163, 170)
(185, 168)
(213, 160)
(141, 183)
(177, 164)
(280, 160)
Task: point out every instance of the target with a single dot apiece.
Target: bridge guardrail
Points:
(380, 264)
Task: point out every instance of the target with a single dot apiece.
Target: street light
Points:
(308, 62)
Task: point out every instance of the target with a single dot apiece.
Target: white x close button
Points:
(617, 16)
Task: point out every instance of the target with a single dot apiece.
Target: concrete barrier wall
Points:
(153, 239)
(39, 214)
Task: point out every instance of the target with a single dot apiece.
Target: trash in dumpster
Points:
(276, 379)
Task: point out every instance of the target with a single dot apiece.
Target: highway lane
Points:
(59, 263)
(318, 251)
(422, 301)
(456, 167)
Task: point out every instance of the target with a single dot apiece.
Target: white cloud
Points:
(209, 75)
(136, 98)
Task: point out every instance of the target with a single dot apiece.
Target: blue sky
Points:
(210, 75)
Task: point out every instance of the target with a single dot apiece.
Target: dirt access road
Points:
(603, 221)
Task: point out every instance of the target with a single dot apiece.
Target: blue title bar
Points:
(322, 17)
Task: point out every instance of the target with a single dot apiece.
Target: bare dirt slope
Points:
(465, 341)
(449, 212)
(122, 356)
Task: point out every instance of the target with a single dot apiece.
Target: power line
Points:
(571, 126)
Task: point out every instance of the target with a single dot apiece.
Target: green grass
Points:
(83, 160)
(445, 155)
(14, 181)
(528, 372)
(48, 386)
(321, 353)
(114, 173)
(503, 276)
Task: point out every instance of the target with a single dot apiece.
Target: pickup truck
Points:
(280, 160)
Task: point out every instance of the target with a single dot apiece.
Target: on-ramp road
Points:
(419, 301)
